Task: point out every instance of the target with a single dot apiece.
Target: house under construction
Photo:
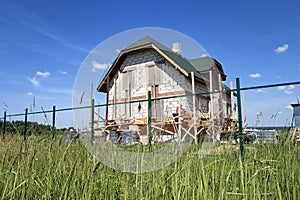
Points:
(182, 104)
(294, 133)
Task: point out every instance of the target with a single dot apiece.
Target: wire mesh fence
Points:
(176, 117)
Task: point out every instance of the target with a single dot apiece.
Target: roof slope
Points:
(143, 41)
(205, 63)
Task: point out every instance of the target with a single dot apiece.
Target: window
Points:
(229, 111)
(124, 81)
(157, 105)
(127, 82)
(203, 104)
(154, 75)
(154, 79)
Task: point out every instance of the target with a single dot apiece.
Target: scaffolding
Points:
(180, 125)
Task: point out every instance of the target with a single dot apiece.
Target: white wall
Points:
(172, 83)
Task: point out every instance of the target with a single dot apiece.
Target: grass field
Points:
(42, 168)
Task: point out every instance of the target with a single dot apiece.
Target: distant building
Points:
(296, 115)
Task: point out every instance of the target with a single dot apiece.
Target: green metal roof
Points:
(144, 41)
(205, 64)
(187, 65)
(178, 59)
(202, 64)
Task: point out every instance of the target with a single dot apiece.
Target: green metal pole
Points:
(25, 123)
(4, 123)
(149, 119)
(53, 121)
(240, 123)
(92, 120)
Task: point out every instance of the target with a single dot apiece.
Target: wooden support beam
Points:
(211, 100)
(233, 114)
(179, 121)
(187, 133)
(221, 115)
(114, 98)
(194, 107)
(107, 99)
(164, 130)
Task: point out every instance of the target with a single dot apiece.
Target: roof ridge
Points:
(144, 41)
(177, 58)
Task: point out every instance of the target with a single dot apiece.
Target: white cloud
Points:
(25, 19)
(289, 107)
(43, 74)
(281, 88)
(278, 76)
(63, 72)
(203, 55)
(291, 87)
(62, 41)
(118, 51)
(287, 90)
(261, 91)
(34, 81)
(281, 49)
(256, 75)
(29, 93)
(99, 66)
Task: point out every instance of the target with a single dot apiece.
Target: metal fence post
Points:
(92, 120)
(25, 123)
(4, 123)
(240, 123)
(53, 121)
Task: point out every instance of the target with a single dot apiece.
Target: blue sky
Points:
(43, 44)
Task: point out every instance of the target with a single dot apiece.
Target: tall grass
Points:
(41, 168)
